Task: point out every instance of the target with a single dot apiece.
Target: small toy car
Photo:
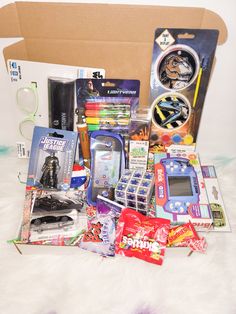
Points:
(51, 222)
(50, 204)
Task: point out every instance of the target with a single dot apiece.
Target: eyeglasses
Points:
(19, 177)
(27, 101)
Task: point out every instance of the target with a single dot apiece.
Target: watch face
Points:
(170, 111)
(177, 67)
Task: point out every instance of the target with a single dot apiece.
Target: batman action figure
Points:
(50, 171)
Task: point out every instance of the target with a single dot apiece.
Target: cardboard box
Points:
(118, 38)
(30, 249)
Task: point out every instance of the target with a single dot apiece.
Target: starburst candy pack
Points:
(141, 236)
(181, 66)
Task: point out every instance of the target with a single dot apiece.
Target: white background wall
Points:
(217, 135)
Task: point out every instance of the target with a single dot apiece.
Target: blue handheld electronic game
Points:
(176, 185)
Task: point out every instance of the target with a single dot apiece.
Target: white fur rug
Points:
(85, 283)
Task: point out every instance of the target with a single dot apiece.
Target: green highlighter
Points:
(93, 127)
(108, 113)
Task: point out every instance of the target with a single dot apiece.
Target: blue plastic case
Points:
(107, 164)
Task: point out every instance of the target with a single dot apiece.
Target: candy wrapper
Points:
(198, 245)
(107, 207)
(186, 236)
(141, 236)
(100, 237)
(91, 212)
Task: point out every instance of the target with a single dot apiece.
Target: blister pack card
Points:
(216, 202)
(51, 159)
(107, 104)
(107, 164)
(32, 98)
(180, 193)
(48, 215)
(181, 67)
(139, 139)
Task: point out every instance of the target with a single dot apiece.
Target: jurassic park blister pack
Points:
(181, 67)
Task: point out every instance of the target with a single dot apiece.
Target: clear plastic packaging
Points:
(134, 189)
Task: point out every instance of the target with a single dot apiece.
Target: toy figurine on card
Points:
(51, 160)
(50, 170)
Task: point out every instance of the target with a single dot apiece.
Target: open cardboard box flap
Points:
(118, 38)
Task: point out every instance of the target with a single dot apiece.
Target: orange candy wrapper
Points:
(186, 236)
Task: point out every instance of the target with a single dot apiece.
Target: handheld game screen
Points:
(180, 186)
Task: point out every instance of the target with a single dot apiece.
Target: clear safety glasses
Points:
(27, 101)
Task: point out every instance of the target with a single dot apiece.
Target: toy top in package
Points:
(142, 237)
(107, 104)
(181, 67)
(51, 159)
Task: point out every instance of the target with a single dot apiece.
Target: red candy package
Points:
(186, 235)
(181, 235)
(141, 237)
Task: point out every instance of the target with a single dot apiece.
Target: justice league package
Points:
(50, 208)
(51, 159)
(180, 71)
